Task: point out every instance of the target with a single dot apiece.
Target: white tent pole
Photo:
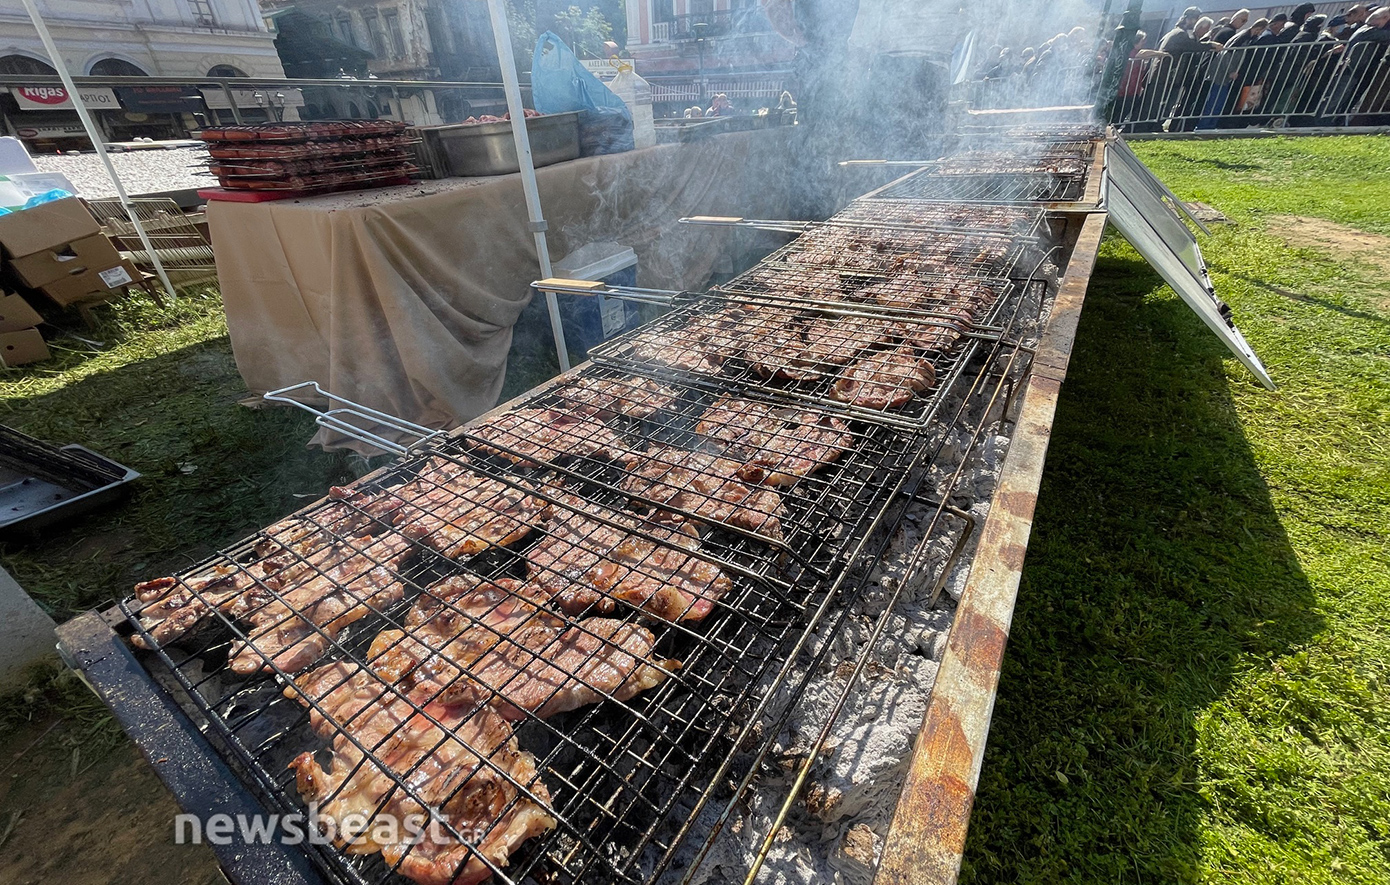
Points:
(95, 135)
(502, 34)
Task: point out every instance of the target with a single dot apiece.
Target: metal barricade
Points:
(1294, 85)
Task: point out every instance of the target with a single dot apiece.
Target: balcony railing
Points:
(711, 25)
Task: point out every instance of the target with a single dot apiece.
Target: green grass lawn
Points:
(1195, 688)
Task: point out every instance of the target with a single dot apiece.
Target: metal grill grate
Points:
(402, 646)
(987, 187)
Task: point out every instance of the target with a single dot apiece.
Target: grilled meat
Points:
(700, 346)
(805, 350)
(461, 618)
(337, 586)
(604, 398)
(423, 763)
(537, 667)
(548, 435)
(174, 607)
(779, 445)
(706, 486)
(586, 563)
(885, 380)
(460, 513)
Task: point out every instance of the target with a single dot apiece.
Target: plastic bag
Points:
(559, 83)
(46, 197)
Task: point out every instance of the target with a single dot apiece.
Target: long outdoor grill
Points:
(565, 639)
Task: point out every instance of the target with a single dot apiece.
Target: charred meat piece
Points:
(586, 563)
(174, 607)
(438, 767)
(454, 623)
(538, 667)
(529, 435)
(972, 297)
(779, 445)
(338, 585)
(604, 398)
(702, 345)
(707, 487)
(804, 351)
(888, 379)
(462, 514)
(545, 671)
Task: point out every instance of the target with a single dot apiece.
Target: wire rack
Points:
(987, 187)
(331, 652)
(1015, 220)
(889, 251)
(548, 638)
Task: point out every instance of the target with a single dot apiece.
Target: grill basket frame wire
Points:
(910, 248)
(227, 727)
(616, 354)
(231, 726)
(872, 443)
(590, 712)
(228, 730)
(912, 481)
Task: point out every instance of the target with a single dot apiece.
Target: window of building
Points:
(225, 71)
(374, 32)
(117, 67)
(202, 13)
(345, 31)
(23, 64)
(702, 9)
(393, 29)
(663, 10)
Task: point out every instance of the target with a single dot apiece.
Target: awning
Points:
(161, 99)
(246, 98)
(55, 98)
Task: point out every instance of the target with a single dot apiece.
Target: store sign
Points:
(250, 99)
(160, 99)
(55, 98)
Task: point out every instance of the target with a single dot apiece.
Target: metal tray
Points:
(29, 502)
(487, 148)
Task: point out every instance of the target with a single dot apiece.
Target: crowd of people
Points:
(1297, 68)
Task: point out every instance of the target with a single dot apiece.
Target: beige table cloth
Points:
(403, 299)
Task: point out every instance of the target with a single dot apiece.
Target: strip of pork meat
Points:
(339, 585)
(778, 446)
(459, 763)
(805, 349)
(700, 346)
(460, 513)
(586, 562)
(888, 379)
(176, 606)
(706, 486)
(537, 668)
(604, 398)
(467, 638)
(531, 435)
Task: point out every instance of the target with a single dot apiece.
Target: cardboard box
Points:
(24, 346)
(48, 226)
(16, 314)
(92, 285)
(46, 266)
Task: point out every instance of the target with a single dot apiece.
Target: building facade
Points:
(163, 38)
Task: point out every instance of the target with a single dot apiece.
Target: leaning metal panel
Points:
(1136, 227)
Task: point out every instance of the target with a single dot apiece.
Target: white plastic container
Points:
(636, 93)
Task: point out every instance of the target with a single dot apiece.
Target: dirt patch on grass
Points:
(1345, 243)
